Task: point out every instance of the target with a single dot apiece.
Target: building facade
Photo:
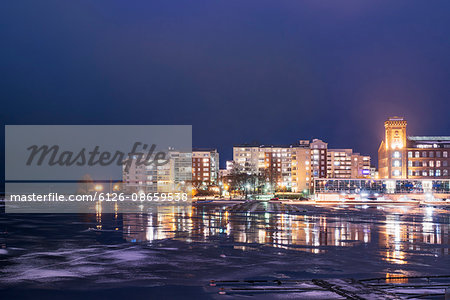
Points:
(412, 157)
(343, 163)
(295, 167)
(272, 161)
(176, 175)
(301, 168)
(428, 157)
(205, 166)
(139, 178)
(318, 158)
(392, 160)
(173, 176)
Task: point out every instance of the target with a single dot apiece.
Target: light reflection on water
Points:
(399, 237)
(206, 241)
(395, 231)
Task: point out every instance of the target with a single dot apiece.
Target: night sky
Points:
(238, 71)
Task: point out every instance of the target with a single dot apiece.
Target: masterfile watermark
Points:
(116, 166)
(101, 197)
(51, 155)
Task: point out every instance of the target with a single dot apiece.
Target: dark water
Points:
(176, 251)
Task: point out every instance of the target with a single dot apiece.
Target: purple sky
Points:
(238, 71)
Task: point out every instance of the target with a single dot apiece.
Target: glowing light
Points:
(397, 145)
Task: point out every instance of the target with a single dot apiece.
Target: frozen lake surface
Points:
(177, 251)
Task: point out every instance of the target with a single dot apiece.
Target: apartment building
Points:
(249, 158)
(318, 158)
(272, 161)
(140, 178)
(301, 169)
(205, 166)
(343, 163)
(174, 176)
(295, 167)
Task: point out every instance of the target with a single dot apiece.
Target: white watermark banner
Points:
(51, 168)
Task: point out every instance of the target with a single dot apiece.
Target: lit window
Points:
(417, 154)
(396, 163)
(438, 163)
(396, 173)
(424, 173)
(445, 172)
(438, 173)
(396, 154)
(431, 172)
(445, 154)
(410, 154)
(431, 163)
(410, 163)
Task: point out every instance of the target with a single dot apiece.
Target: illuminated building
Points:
(343, 163)
(392, 160)
(176, 175)
(301, 168)
(173, 176)
(272, 161)
(428, 157)
(139, 178)
(413, 157)
(295, 167)
(205, 166)
(318, 158)
(249, 159)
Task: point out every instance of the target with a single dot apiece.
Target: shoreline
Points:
(327, 202)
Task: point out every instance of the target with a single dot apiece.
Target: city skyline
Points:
(343, 144)
(406, 163)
